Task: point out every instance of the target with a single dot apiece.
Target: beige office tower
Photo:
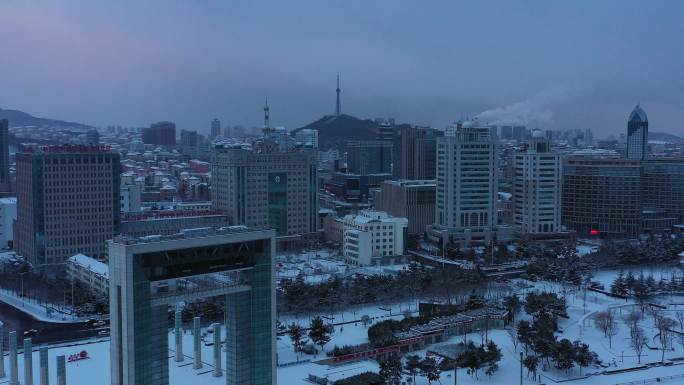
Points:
(265, 186)
(67, 202)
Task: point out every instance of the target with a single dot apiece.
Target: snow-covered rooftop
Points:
(90, 263)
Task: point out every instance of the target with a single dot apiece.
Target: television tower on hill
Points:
(267, 117)
(338, 108)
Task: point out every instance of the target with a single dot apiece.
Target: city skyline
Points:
(189, 64)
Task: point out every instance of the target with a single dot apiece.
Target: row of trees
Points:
(474, 358)
(654, 249)
(296, 295)
(645, 286)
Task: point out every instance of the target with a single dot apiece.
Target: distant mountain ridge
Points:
(18, 118)
(666, 137)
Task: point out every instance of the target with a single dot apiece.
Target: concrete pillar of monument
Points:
(217, 350)
(28, 362)
(44, 372)
(2, 349)
(197, 334)
(13, 366)
(61, 370)
(179, 336)
(238, 339)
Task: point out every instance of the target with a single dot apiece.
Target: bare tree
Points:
(632, 320)
(664, 326)
(605, 321)
(680, 319)
(638, 341)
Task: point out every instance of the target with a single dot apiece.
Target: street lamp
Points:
(455, 371)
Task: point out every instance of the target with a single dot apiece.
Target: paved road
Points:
(47, 332)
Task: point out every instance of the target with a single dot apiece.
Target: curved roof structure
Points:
(638, 114)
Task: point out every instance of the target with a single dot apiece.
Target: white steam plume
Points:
(535, 112)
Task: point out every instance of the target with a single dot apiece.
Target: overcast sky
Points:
(554, 64)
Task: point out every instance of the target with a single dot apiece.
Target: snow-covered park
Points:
(619, 363)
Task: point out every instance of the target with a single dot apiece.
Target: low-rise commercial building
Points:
(8, 214)
(90, 273)
(374, 238)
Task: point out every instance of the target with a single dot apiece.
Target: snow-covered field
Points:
(579, 326)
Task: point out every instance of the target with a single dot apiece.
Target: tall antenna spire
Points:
(266, 115)
(338, 108)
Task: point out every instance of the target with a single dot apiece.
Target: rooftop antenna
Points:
(267, 117)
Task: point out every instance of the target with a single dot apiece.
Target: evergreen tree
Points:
(430, 370)
(583, 356)
(296, 334)
(531, 363)
(619, 286)
(319, 333)
(564, 355)
(390, 370)
(525, 334)
(492, 358)
(412, 366)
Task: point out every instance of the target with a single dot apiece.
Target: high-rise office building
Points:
(267, 187)
(410, 199)
(637, 134)
(307, 137)
(160, 134)
(67, 202)
(622, 198)
(4, 155)
(92, 138)
(519, 133)
(414, 153)
(366, 157)
(663, 187)
(537, 187)
(506, 132)
(147, 277)
(215, 128)
(467, 185)
(189, 143)
(386, 129)
(602, 196)
(588, 138)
